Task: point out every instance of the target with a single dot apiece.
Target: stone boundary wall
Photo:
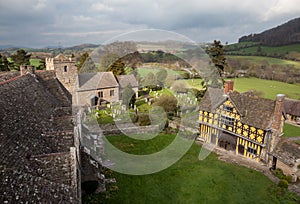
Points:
(126, 128)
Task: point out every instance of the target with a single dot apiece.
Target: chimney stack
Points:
(24, 69)
(277, 125)
(277, 119)
(228, 86)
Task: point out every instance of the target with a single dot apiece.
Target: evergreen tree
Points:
(118, 67)
(21, 57)
(5, 65)
(42, 65)
(107, 60)
(86, 64)
(216, 53)
(82, 59)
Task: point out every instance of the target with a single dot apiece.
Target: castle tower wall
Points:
(65, 70)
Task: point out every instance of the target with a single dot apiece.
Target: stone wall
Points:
(83, 98)
(288, 170)
(65, 70)
(128, 128)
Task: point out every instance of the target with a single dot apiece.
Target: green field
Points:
(269, 88)
(35, 62)
(251, 48)
(189, 180)
(257, 60)
(143, 71)
(291, 130)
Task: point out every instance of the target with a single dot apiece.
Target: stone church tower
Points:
(65, 70)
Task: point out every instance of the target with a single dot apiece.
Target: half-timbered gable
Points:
(240, 122)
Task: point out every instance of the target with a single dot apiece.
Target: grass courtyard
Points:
(291, 130)
(189, 180)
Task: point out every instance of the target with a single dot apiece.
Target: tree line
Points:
(15, 60)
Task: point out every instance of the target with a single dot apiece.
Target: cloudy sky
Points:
(39, 23)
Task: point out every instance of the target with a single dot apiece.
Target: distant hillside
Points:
(82, 47)
(285, 34)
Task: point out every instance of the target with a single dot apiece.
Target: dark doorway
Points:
(227, 141)
(94, 101)
(241, 149)
(274, 162)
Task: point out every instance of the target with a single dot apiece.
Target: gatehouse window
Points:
(251, 150)
(65, 68)
(228, 108)
(227, 120)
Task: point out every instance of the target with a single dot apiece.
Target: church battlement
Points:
(65, 70)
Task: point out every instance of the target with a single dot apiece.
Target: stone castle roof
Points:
(288, 152)
(292, 107)
(36, 164)
(254, 111)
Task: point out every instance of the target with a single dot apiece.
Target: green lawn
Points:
(187, 181)
(269, 88)
(194, 83)
(291, 130)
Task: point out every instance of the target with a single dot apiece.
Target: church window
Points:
(112, 92)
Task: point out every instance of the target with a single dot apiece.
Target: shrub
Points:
(140, 102)
(289, 178)
(144, 119)
(283, 183)
(278, 173)
(134, 117)
(299, 166)
(103, 117)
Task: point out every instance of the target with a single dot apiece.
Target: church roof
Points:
(94, 81)
(125, 80)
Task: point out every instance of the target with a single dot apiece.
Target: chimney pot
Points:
(228, 86)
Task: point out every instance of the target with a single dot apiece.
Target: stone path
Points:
(293, 138)
(231, 157)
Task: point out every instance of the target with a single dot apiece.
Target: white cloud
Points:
(101, 7)
(40, 4)
(83, 21)
(82, 18)
(282, 8)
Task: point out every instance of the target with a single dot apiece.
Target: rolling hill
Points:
(285, 34)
